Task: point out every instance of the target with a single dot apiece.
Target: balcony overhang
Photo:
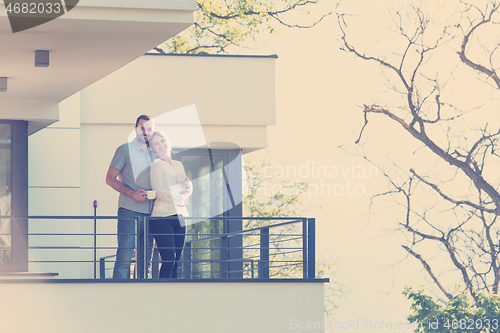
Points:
(91, 41)
(234, 96)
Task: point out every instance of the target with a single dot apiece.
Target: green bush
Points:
(458, 315)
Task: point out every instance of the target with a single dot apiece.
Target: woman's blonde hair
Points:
(167, 141)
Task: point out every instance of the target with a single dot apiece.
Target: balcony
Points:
(260, 285)
(263, 248)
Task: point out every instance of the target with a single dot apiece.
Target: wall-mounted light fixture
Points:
(41, 58)
(3, 84)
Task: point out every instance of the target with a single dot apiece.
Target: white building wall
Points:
(99, 143)
(229, 91)
(234, 96)
(54, 189)
(180, 307)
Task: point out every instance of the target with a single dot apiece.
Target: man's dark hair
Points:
(142, 117)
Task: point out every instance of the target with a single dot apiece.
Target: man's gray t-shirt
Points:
(133, 162)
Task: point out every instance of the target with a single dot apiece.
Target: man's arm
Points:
(111, 180)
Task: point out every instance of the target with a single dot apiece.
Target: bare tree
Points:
(451, 193)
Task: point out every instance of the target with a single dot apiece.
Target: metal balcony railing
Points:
(215, 248)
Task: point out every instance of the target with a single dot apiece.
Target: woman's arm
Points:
(159, 184)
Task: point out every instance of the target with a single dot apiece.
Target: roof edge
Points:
(273, 56)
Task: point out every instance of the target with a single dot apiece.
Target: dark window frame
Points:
(233, 192)
(19, 193)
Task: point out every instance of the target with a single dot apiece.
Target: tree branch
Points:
(478, 180)
(491, 73)
(448, 198)
(429, 271)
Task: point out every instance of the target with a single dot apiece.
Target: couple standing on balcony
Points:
(137, 167)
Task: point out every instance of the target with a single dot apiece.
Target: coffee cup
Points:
(151, 194)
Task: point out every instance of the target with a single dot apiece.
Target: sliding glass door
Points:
(216, 178)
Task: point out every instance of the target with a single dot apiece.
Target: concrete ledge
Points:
(26, 276)
(165, 307)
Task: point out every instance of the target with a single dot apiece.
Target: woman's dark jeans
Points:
(169, 236)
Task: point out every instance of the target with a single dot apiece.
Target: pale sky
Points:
(319, 90)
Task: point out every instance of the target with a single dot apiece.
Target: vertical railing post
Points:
(95, 240)
(264, 253)
(304, 248)
(145, 248)
(136, 270)
(186, 270)
(155, 263)
(102, 268)
(311, 248)
(224, 257)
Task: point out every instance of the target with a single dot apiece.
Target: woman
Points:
(173, 188)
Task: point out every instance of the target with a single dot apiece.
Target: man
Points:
(128, 174)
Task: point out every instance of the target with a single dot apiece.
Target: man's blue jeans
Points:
(126, 245)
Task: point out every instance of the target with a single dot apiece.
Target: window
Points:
(13, 195)
(5, 194)
(216, 176)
